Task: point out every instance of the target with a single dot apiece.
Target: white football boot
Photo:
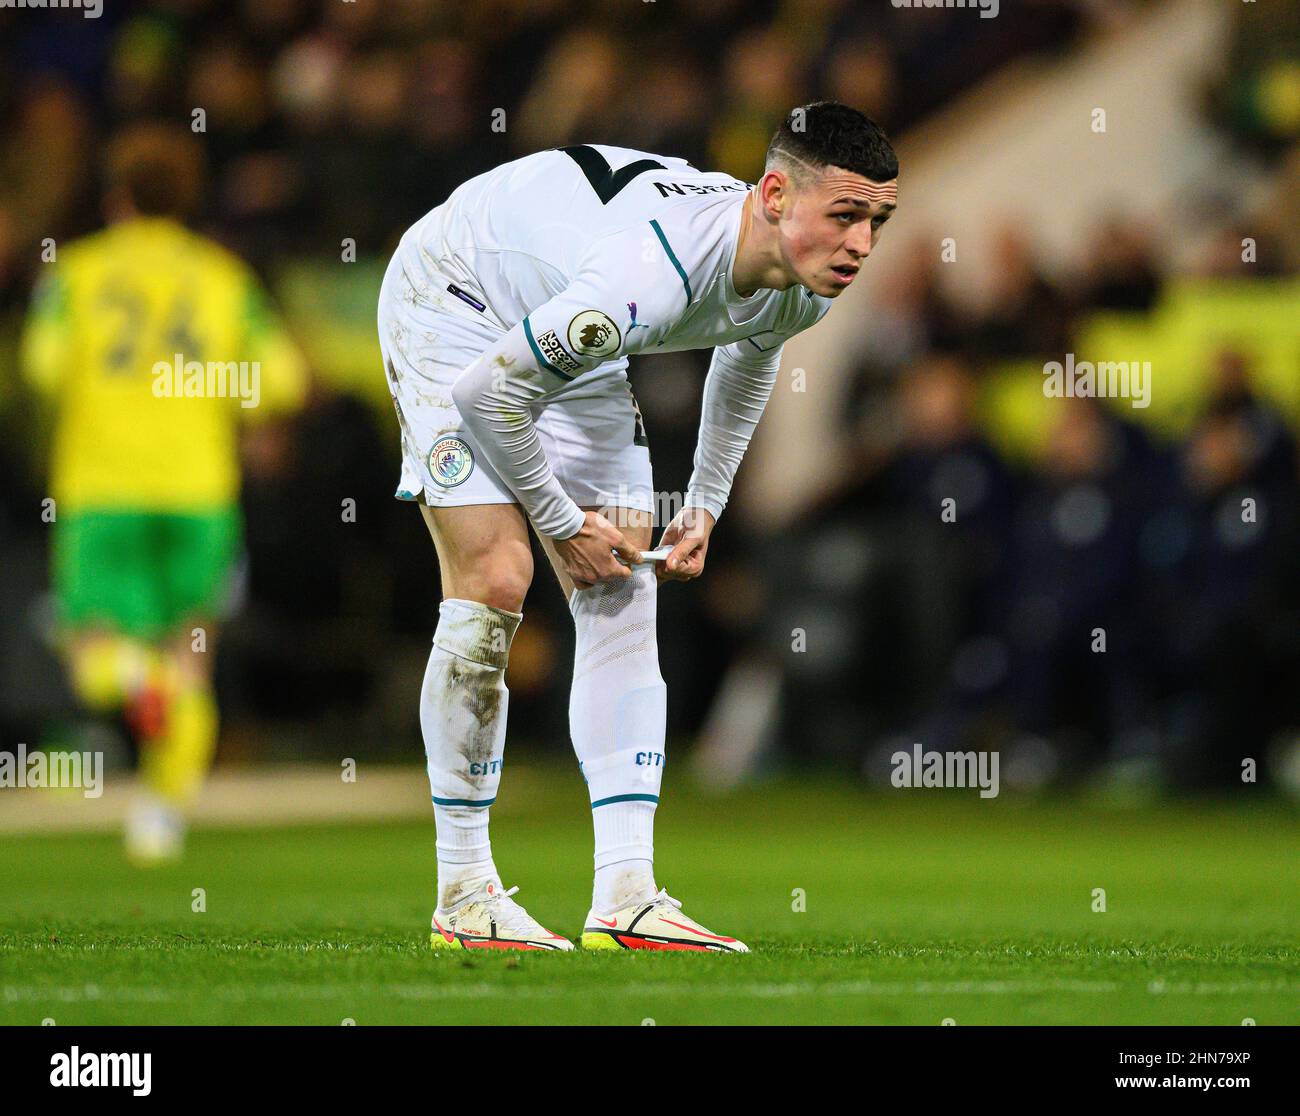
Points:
(155, 832)
(490, 919)
(658, 924)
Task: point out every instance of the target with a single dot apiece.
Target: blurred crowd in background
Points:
(329, 121)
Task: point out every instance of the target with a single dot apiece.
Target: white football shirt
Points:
(588, 254)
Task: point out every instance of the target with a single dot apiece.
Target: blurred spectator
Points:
(761, 75)
(1123, 275)
(1227, 602)
(1028, 315)
(1074, 624)
(573, 97)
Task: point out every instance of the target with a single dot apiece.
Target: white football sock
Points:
(617, 711)
(622, 884)
(463, 718)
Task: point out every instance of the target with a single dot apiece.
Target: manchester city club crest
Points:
(450, 462)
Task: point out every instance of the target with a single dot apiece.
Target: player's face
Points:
(833, 225)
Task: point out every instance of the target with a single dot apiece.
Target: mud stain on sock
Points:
(481, 692)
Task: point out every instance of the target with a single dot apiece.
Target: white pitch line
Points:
(93, 993)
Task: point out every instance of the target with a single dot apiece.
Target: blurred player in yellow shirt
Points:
(152, 344)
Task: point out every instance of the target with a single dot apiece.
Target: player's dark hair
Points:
(829, 134)
(158, 167)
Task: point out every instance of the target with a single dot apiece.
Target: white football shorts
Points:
(591, 431)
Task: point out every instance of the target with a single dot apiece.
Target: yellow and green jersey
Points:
(153, 344)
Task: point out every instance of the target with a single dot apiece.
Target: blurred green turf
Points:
(921, 906)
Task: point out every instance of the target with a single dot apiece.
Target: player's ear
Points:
(774, 190)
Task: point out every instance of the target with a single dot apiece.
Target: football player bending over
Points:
(506, 318)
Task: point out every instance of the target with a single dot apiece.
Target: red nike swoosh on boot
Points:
(694, 930)
(607, 922)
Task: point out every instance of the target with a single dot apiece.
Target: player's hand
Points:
(688, 535)
(589, 556)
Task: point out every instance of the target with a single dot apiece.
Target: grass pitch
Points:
(921, 906)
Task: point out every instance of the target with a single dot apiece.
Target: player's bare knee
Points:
(501, 581)
(506, 593)
(496, 572)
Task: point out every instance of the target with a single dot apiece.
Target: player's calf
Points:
(617, 712)
(463, 708)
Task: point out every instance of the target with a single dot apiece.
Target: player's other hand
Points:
(589, 556)
(688, 535)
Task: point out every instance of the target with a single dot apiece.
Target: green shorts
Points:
(142, 574)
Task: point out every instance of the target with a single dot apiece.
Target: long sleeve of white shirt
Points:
(630, 293)
(494, 396)
(736, 392)
(573, 333)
